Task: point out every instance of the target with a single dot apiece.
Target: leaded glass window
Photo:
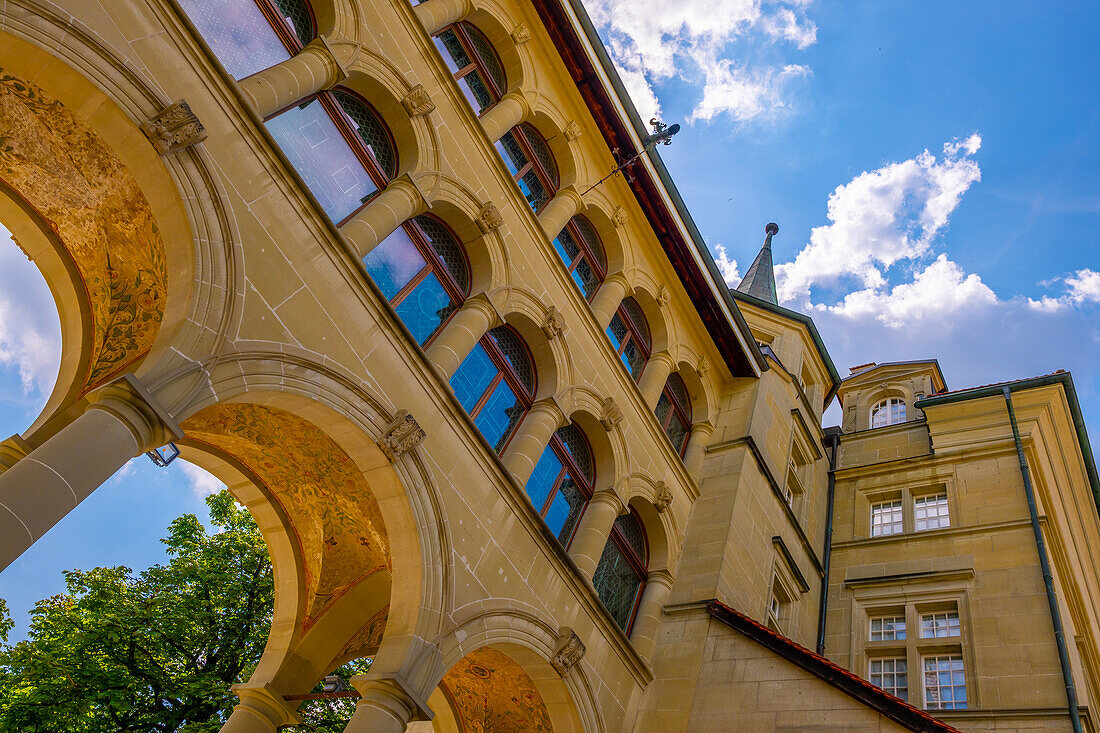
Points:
(621, 573)
(241, 33)
(581, 252)
(370, 129)
(674, 412)
(629, 334)
(473, 63)
(562, 482)
(495, 384)
(421, 268)
(529, 160)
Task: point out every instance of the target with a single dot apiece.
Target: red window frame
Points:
(533, 162)
(639, 565)
(676, 410)
(507, 373)
(635, 335)
(571, 467)
(285, 33)
(477, 63)
(585, 252)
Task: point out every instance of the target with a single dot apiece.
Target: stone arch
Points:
(702, 400)
(550, 124)
(520, 309)
(655, 315)
(183, 199)
(611, 236)
(336, 17)
(660, 529)
(583, 406)
(453, 202)
(495, 23)
(871, 397)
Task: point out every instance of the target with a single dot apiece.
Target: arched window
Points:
(629, 334)
(562, 482)
(422, 270)
(889, 411)
(250, 35)
(531, 164)
(580, 249)
(474, 64)
(496, 383)
(336, 142)
(622, 571)
(674, 412)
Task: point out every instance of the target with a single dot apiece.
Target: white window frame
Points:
(892, 409)
(889, 669)
(931, 512)
(890, 628)
(895, 510)
(955, 664)
(940, 624)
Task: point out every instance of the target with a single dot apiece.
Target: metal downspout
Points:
(827, 554)
(1044, 563)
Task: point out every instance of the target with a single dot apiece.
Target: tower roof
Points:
(759, 281)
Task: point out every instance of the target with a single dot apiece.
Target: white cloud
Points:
(1082, 287)
(727, 266)
(30, 331)
(202, 482)
(880, 218)
(694, 40)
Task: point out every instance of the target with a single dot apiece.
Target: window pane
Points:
(394, 262)
(322, 157)
(664, 404)
(886, 518)
(939, 625)
(567, 247)
(542, 480)
(586, 278)
(565, 510)
(634, 358)
(944, 683)
(533, 190)
(930, 512)
(677, 432)
(511, 153)
(891, 675)
(238, 34)
(372, 131)
(476, 92)
(617, 584)
(298, 18)
(473, 377)
(427, 306)
(451, 50)
(499, 415)
(616, 331)
(887, 628)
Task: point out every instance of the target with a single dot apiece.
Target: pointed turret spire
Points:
(759, 281)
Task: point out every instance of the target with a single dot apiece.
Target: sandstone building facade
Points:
(505, 429)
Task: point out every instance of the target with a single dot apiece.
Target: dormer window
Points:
(889, 411)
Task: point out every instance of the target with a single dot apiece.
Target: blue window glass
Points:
(323, 158)
(565, 510)
(238, 33)
(495, 384)
(473, 63)
(562, 482)
(473, 378)
(501, 412)
(427, 306)
(582, 254)
(547, 472)
(528, 159)
(629, 335)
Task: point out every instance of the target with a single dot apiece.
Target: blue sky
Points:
(934, 169)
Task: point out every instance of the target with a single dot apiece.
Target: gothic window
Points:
(889, 411)
(621, 573)
(580, 250)
(421, 269)
(674, 412)
(629, 334)
(250, 35)
(531, 164)
(495, 384)
(474, 64)
(335, 141)
(562, 482)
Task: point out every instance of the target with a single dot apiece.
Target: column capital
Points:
(666, 357)
(127, 399)
(704, 428)
(611, 499)
(264, 703)
(661, 577)
(549, 406)
(392, 696)
(483, 303)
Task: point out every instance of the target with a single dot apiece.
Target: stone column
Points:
(11, 451)
(121, 422)
(436, 15)
(277, 87)
(395, 204)
(696, 448)
(511, 110)
(594, 529)
(654, 376)
(650, 613)
(259, 711)
(458, 338)
(386, 707)
(607, 299)
(529, 442)
(556, 214)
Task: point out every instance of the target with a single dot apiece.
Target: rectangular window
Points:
(939, 625)
(887, 628)
(944, 682)
(891, 675)
(773, 608)
(886, 518)
(930, 512)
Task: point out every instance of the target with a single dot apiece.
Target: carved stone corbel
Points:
(401, 435)
(417, 102)
(663, 499)
(554, 325)
(521, 34)
(489, 219)
(703, 366)
(663, 296)
(572, 131)
(175, 128)
(619, 217)
(567, 651)
(611, 415)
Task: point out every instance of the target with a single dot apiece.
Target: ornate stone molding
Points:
(663, 498)
(417, 102)
(572, 131)
(401, 435)
(567, 651)
(611, 415)
(489, 219)
(663, 296)
(619, 217)
(554, 325)
(521, 34)
(175, 128)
